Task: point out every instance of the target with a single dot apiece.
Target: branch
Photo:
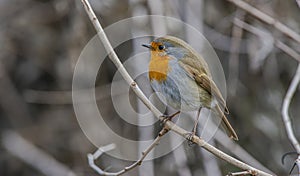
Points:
(260, 34)
(292, 88)
(267, 19)
(170, 125)
(101, 150)
(287, 50)
(243, 173)
(290, 92)
(286, 118)
(238, 151)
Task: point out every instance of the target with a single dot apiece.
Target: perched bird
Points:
(182, 76)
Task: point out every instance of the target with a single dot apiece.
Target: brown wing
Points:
(206, 83)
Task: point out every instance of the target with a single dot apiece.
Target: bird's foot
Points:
(190, 137)
(168, 117)
(165, 119)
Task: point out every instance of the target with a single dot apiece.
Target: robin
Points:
(182, 76)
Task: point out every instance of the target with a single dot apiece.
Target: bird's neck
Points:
(158, 67)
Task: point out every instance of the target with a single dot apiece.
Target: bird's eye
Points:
(161, 47)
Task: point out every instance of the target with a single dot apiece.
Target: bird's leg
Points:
(196, 121)
(190, 136)
(169, 117)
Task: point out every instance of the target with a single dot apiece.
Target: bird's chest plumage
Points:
(159, 68)
(172, 82)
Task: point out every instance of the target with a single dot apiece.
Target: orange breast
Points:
(158, 67)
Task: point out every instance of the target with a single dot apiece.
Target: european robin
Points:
(182, 76)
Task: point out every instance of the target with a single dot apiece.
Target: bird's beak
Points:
(147, 46)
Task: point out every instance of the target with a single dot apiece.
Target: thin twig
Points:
(287, 100)
(290, 92)
(170, 125)
(277, 43)
(285, 115)
(285, 110)
(101, 150)
(267, 19)
(243, 173)
(287, 50)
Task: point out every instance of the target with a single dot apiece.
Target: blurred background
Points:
(41, 41)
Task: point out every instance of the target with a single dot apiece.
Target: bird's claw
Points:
(165, 119)
(190, 137)
(168, 117)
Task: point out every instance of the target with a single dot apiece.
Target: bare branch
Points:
(243, 173)
(277, 43)
(170, 125)
(287, 101)
(238, 151)
(267, 19)
(285, 110)
(287, 50)
(101, 150)
(291, 90)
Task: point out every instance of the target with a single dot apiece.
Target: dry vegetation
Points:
(41, 41)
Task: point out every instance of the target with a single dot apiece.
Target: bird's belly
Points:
(179, 91)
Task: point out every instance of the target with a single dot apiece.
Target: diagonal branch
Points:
(260, 34)
(170, 125)
(243, 173)
(101, 150)
(267, 19)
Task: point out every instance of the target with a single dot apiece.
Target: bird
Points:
(183, 77)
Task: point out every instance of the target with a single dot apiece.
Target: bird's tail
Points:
(229, 130)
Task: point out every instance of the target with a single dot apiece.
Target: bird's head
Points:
(168, 45)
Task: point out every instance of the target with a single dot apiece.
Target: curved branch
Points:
(170, 125)
(285, 114)
(285, 110)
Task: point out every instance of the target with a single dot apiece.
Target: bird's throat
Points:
(159, 68)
